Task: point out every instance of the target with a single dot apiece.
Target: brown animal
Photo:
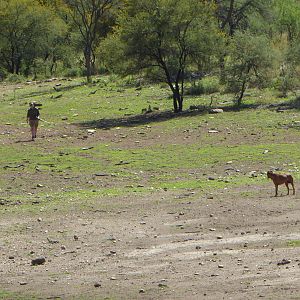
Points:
(279, 179)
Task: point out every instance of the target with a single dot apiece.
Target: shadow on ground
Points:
(155, 116)
(150, 117)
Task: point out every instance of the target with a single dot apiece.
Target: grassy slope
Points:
(164, 163)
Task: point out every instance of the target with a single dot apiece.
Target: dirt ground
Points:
(228, 244)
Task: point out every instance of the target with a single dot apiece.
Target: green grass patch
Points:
(5, 295)
(294, 244)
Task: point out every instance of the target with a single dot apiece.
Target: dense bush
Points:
(207, 85)
(15, 78)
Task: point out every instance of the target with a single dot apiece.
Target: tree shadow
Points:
(136, 120)
(156, 116)
(24, 141)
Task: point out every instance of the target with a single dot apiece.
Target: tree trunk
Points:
(175, 103)
(88, 64)
(240, 98)
(222, 69)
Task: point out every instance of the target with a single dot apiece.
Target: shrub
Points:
(207, 85)
(73, 72)
(15, 78)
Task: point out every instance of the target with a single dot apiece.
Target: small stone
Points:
(141, 291)
(39, 219)
(76, 237)
(23, 282)
(38, 261)
(283, 262)
(97, 284)
(216, 111)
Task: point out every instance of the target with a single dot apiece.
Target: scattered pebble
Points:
(38, 261)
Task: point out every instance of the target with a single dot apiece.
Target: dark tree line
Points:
(246, 42)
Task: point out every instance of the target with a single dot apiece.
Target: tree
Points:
(165, 37)
(87, 15)
(287, 27)
(250, 58)
(233, 15)
(27, 30)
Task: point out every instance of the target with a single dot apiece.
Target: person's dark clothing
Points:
(33, 113)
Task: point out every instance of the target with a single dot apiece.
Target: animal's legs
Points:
(293, 187)
(287, 186)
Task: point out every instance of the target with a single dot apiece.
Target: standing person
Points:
(33, 119)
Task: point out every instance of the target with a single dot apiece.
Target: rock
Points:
(39, 219)
(52, 241)
(23, 282)
(141, 291)
(91, 131)
(101, 174)
(76, 237)
(38, 261)
(283, 262)
(64, 118)
(216, 111)
(213, 131)
(97, 284)
(11, 257)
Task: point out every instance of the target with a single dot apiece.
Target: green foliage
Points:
(165, 37)
(294, 244)
(28, 31)
(15, 78)
(207, 85)
(249, 62)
